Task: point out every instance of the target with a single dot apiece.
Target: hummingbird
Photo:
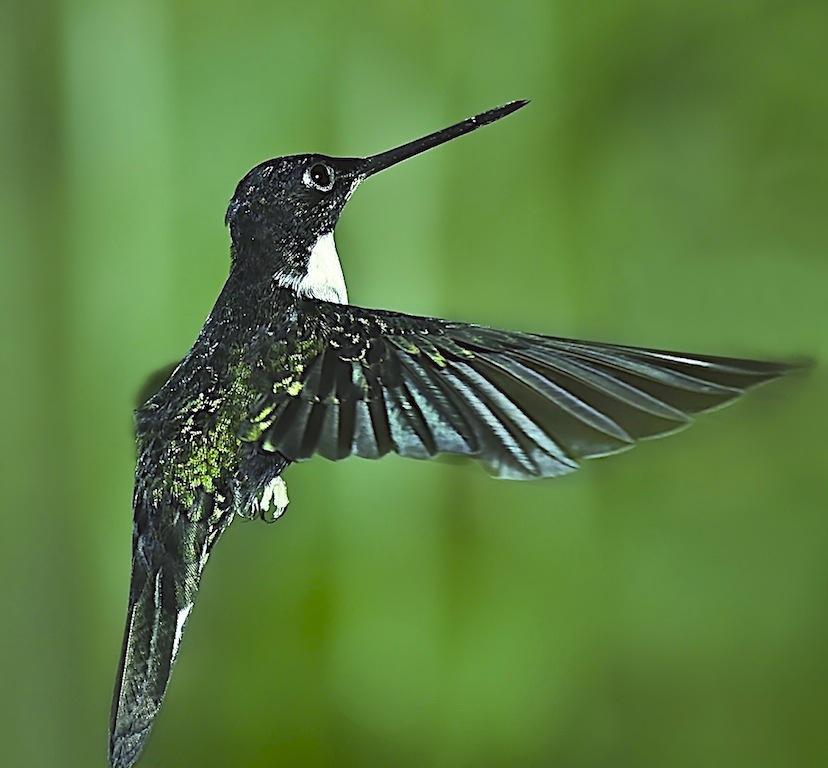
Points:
(285, 368)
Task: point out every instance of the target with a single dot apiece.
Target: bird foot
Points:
(272, 502)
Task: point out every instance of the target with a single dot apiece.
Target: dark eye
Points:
(319, 176)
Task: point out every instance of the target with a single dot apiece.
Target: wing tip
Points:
(799, 365)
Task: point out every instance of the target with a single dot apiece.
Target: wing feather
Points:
(410, 430)
(529, 450)
(449, 419)
(578, 426)
(347, 426)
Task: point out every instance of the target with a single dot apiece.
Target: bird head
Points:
(284, 211)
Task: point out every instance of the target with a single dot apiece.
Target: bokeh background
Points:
(666, 187)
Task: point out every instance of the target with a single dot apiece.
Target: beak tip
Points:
(508, 108)
(374, 163)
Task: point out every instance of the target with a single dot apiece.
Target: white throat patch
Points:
(324, 280)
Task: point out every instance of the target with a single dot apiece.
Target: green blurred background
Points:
(667, 187)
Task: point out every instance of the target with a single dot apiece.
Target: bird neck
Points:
(310, 272)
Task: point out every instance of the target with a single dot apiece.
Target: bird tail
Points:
(166, 571)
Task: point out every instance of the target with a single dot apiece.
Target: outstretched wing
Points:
(352, 381)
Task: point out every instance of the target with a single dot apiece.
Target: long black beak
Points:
(374, 163)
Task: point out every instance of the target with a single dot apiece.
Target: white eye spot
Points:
(319, 176)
